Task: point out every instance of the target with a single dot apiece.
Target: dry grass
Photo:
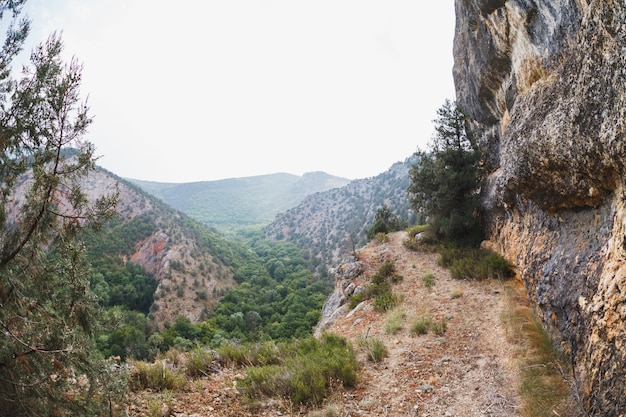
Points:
(544, 366)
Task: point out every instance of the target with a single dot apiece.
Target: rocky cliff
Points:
(544, 83)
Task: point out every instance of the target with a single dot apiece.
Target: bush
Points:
(420, 325)
(439, 327)
(155, 376)
(306, 371)
(429, 280)
(385, 301)
(375, 349)
(395, 321)
(381, 237)
(356, 299)
(229, 354)
(387, 269)
(201, 362)
(427, 242)
(474, 263)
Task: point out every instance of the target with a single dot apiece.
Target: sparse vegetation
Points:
(380, 289)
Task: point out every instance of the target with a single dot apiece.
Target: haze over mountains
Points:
(241, 202)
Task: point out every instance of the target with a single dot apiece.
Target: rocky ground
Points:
(469, 370)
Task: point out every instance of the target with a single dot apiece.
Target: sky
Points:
(201, 90)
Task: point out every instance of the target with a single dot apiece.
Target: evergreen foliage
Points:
(445, 181)
(277, 299)
(385, 222)
(48, 316)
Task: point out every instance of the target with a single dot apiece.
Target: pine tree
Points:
(48, 363)
(444, 183)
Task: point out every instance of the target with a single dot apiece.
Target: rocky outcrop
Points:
(544, 83)
(345, 286)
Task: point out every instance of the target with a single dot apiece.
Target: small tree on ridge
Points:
(444, 183)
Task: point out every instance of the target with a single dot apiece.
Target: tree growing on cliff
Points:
(48, 364)
(444, 183)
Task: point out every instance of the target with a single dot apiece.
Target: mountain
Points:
(192, 265)
(240, 202)
(330, 224)
(543, 86)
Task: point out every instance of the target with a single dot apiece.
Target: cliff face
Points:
(544, 83)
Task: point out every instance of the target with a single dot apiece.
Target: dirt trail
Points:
(467, 371)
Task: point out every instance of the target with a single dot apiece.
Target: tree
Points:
(385, 221)
(48, 361)
(444, 183)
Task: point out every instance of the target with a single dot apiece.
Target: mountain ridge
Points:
(331, 223)
(243, 201)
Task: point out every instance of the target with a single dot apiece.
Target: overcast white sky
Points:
(198, 90)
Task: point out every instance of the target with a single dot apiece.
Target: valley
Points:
(470, 369)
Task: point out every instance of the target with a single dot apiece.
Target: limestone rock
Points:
(544, 83)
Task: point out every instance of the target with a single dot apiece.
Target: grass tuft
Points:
(543, 364)
(375, 349)
(395, 321)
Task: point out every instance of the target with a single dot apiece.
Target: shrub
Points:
(385, 301)
(201, 362)
(155, 376)
(381, 237)
(456, 293)
(439, 327)
(426, 241)
(305, 372)
(355, 299)
(395, 321)
(386, 269)
(429, 280)
(420, 325)
(474, 263)
(375, 349)
(230, 354)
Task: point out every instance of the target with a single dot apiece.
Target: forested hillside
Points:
(332, 223)
(241, 202)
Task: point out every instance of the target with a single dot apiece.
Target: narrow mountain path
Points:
(468, 370)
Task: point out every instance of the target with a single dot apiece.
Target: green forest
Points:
(277, 297)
